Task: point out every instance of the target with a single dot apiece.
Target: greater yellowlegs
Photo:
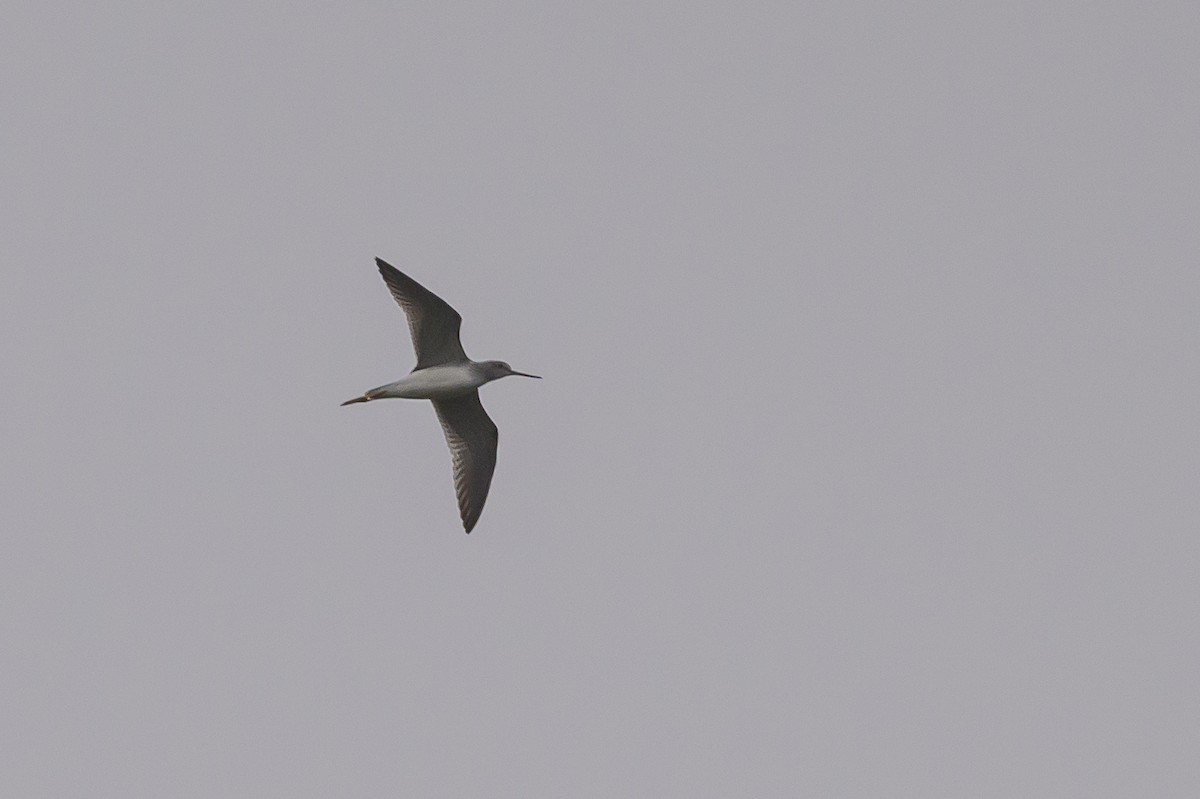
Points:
(445, 375)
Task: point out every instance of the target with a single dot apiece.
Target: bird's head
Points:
(494, 370)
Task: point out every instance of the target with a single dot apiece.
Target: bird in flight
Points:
(445, 375)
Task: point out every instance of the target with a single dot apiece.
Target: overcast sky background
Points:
(865, 463)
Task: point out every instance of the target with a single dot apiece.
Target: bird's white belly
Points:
(434, 382)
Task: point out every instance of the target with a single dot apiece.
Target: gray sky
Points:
(865, 463)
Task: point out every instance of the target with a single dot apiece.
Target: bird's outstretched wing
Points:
(472, 437)
(434, 324)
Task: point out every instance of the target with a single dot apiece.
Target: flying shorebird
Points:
(445, 375)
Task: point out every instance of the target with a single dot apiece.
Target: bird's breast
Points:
(436, 382)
